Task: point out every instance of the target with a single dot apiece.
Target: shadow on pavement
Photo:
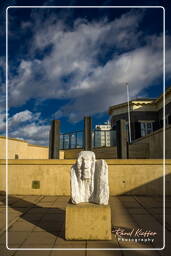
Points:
(49, 219)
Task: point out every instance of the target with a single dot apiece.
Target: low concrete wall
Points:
(101, 153)
(139, 151)
(135, 177)
(23, 149)
(136, 151)
(155, 144)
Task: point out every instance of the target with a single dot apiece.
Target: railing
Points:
(104, 138)
(72, 140)
(100, 138)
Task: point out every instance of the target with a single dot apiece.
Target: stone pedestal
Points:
(87, 221)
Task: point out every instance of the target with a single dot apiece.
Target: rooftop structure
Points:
(146, 115)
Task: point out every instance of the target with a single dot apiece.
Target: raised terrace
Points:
(38, 222)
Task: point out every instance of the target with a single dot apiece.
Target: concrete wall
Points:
(136, 151)
(155, 143)
(150, 146)
(102, 152)
(139, 151)
(22, 149)
(136, 177)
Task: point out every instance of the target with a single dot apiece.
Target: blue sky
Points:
(68, 63)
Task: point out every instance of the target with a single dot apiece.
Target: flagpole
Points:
(129, 118)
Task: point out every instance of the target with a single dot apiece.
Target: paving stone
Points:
(2, 220)
(70, 244)
(5, 252)
(22, 204)
(126, 222)
(137, 211)
(141, 252)
(148, 222)
(61, 240)
(31, 198)
(104, 253)
(51, 227)
(17, 237)
(22, 226)
(127, 212)
(125, 198)
(53, 218)
(54, 210)
(45, 204)
(155, 210)
(16, 211)
(168, 221)
(168, 203)
(41, 238)
(12, 217)
(11, 201)
(33, 218)
(102, 244)
(33, 252)
(63, 198)
(148, 202)
(19, 210)
(2, 210)
(167, 250)
(168, 211)
(37, 246)
(2, 204)
(49, 199)
(59, 206)
(2, 225)
(39, 210)
(130, 204)
(3, 239)
(68, 253)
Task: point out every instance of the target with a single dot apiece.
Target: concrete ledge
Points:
(72, 161)
(87, 221)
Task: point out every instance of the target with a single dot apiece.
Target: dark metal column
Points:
(54, 140)
(121, 139)
(87, 133)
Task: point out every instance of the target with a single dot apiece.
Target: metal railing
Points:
(104, 138)
(72, 140)
(100, 138)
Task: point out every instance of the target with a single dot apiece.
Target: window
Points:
(146, 127)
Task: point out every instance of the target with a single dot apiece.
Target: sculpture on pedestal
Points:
(89, 180)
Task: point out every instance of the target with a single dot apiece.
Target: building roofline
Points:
(167, 91)
(131, 102)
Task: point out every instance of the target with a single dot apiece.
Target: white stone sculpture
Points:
(89, 180)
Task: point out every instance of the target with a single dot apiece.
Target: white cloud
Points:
(33, 133)
(73, 68)
(26, 125)
(74, 54)
(21, 117)
(105, 86)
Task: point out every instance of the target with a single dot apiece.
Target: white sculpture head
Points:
(86, 164)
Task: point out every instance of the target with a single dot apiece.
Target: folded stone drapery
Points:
(89, 180)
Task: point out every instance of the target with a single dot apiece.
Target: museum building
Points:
(146, 115)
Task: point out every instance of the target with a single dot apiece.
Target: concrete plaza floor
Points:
(38, 222)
